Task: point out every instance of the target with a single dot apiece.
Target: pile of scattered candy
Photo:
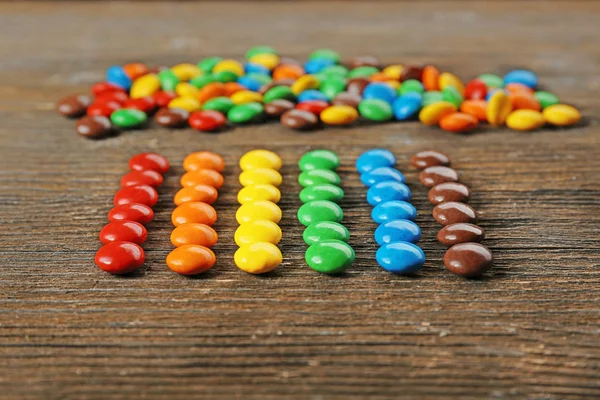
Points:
(322, 91)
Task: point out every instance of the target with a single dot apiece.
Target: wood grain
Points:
(529, 330)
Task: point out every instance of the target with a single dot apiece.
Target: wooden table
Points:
(529, 329)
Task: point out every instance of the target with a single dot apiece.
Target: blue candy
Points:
(392, 210)
(400, 258)
(386, 191)
(523, 77)
(316, 65)
(407, 106)
(381, 91)
(375, 158)
(400, 230)
(250, 83)
(250, 68)
(312, 94)
(382, 174)
(116, 75)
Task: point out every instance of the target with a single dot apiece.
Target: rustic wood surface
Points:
(529, 329)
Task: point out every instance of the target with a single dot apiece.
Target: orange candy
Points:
(233, 87)
(210, 91)
(431, 78)
(518, 88)
(135, 70)
(202, 177)
(196, 212)
(458, 122)
(524, 101)
(287, 71)
(204, 193)
(203, 160)
(191, 259)
(381, 77)
(193, 233)
(476, 108)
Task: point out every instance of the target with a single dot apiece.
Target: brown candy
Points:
(468, 259)
(171, 117)
(453, 212)
(299, 119)
(94, 127)
(357, 85)
(460, 233)
(347, 99)
(411, 72)
(276, 108)
(282, 82)
(73, 106)
(364, 61)
(429, 158)
(435, 175)
(449, 191)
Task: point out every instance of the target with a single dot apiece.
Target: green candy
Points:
(325, 230)
(334, 70)
(220, 104)
(452, 95)
(168, 80)
(375, 110)
(319, 159)
(432, 97)
(324, 191)
(256, 50)
(207, 64)
(279, 92)
(319, 210)
(364, 71)
(325, 53)
(492, 81)
(318, 176)
(546, 99)
(332, 86)
(260, 78)
(128, 118)
(330, 256)
(225, 76)
(202, 80)
(245, 113)
(410, 85)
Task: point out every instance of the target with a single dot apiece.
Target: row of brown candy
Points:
(465, 256)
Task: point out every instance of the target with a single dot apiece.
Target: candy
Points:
(364, 71)
(324, 191)
(279, 92)
(357, 85)
(245, 113)
(195, 212)
(319, 159)
(142, 194)
(201, 81)
(524, 101)
(257, 231)
(431, 78)
(491, 81)
(186, 71)
(407, 106)
(429, 158)
(400, 258)
(144, 104)
(123, 231)
(468, 259)
(499, 106)
(458, 122)
(207, 120)
(452, 95)
(162, 99)
(203, 160)
(73, 106)
(476, 90)
(399, 230)
(448, 79)
(546, 99)
(208, 64)
(393, 210)
(381, 174)
(94, 127)
(460, 233)
(105, 87)
(146, 85)
(449, 191)
(257, 176)
(287, 72)
(325, 54)
(246, 96)
(299, 119)
(186, 89)
(312, 94)
(202, 177)
(435, 175)
(330, 256)
(476, 108)
(229, 65)
(375, 110)
(393, 71)
(319, 210)
(258, 210)
(431, 97)
(131, 212)
(102, 109)
(260, 159)
(521, 76)
(411, 86)
(304, 83)
(147, 177)
(253, 51)
(119, 257)
(277, 108)
(221, 104)
(561, 115)
(149, 161)
(347, 99)
(316, 65)
(379, 90)
(525, 120)
(433, 113)
(135, 70)
(200, 193)
(258, 192)
(453, 212)
(191, 259)
(250, 68)
(332, 86)
(318, 176)
(375, 158)
(387, 191)
(268, 60)
(339, 115)
(211, 91)
(325, 230)
(117, 76)
(188, 104)
(315, 107)
(258, 258)
(168, 80)
(412, 72)
(128, 118)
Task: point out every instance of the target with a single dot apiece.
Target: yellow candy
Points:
(260, 159)
(562, 115)
(144, 86)
(394, 84)
(259, 192)
(257, 176)
(229, 65)
(246, 96)
(187, 103)
(305, 82)
(393, 71)
(339, 115)
(498, 108)
(186, 89)
(257, 231)
(186, 71)
(448, 79)
(269, 61)
(525, 120)
(258, 210)
(433, 113)
(258, 258)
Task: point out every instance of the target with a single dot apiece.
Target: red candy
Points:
(207, 120)
(142, 194)
(120, 257)
(102, 109)
(147, 177)
(131, 212)
(313, 106)
(123, 231)
(476, 90)
(145, 104)
(146, 161)
(162, 99)
(105, 87)
(117, 97)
